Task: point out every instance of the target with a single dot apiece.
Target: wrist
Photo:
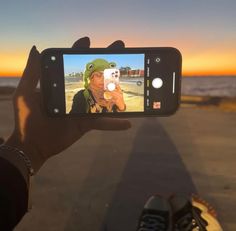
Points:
(29, 150)
(14, 159)
(17, 157)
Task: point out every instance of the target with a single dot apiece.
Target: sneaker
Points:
(155, 215)
(193, 215)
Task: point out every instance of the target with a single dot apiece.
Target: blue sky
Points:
(77, 63)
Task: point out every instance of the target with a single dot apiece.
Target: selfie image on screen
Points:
(104, 83)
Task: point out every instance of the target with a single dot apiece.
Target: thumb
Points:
(31, 74)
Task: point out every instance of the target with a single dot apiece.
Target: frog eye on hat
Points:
(90, 66)
(112, 65)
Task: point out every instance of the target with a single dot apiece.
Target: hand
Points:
(39, 136)
(117, 98)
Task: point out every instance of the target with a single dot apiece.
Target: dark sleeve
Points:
(79, 103)
(13, 196)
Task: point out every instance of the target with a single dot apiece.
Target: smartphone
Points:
(127, 82)
(111, 79)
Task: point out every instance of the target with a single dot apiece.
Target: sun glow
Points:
(210, 63)
(12, 65)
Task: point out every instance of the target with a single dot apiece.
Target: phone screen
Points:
(104, 83)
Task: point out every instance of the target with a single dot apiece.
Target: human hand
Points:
(39, 136)
(117, 98)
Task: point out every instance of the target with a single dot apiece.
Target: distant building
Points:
(131, 73)
(74, 77)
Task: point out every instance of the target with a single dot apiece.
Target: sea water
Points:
(209, 86)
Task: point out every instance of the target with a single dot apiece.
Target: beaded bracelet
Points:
(27, 162)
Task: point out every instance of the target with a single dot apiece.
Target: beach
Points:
(103, 180)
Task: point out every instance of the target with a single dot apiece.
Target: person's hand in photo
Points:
(117, 98)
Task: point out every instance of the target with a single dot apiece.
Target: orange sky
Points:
(12, 64)
(213, 63)
(204, 63)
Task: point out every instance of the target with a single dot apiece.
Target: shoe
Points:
(155, 215)
(193, 214)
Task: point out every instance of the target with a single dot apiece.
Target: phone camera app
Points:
(108, 83)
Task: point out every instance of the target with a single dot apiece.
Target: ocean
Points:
(199, 86)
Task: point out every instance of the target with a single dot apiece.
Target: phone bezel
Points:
(172, 52)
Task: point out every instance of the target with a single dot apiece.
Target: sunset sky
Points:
(203, 30)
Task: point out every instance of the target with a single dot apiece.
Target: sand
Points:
(103, 180)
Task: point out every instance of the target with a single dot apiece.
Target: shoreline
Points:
(223, 103)
(227, 104)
